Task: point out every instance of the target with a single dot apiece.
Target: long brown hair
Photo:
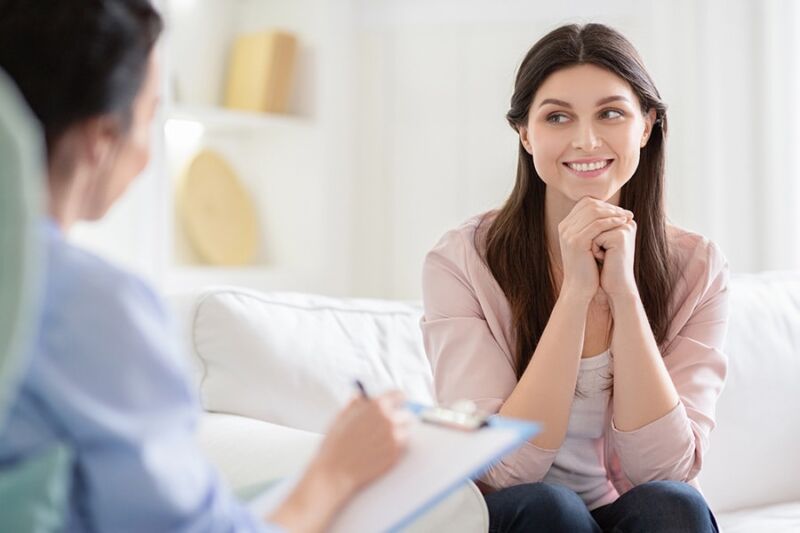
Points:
(516, 247)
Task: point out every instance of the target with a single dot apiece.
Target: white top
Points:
(579, 463)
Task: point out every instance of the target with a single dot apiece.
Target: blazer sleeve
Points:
(108, 377)
(672, 447)
(465, 357)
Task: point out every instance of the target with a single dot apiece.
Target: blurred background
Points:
(394, 132)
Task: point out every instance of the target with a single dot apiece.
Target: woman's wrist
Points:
(575, 297)
(335, 483)
(323, 489)
(624, 301)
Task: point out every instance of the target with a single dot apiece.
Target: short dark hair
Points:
(77, 59)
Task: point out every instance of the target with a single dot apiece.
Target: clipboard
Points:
(446, 448)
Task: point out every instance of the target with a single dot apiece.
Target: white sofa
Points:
(272, 369)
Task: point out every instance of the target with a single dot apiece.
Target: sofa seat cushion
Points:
(781, 518)
(250, 452)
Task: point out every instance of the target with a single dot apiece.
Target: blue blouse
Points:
(106, 377)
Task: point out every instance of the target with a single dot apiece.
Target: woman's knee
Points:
(676, 505)
(671, 493)
(539, 506)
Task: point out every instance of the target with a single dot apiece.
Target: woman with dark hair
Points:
(104, 378)
(577, 305)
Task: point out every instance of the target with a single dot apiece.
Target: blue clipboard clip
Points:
(463, 415)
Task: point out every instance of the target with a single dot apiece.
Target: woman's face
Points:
(132, 153)
(585, 130)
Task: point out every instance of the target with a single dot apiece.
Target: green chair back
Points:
(34, 491)
(21, 182)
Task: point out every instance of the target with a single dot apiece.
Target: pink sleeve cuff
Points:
(662, 450)
(528, 464)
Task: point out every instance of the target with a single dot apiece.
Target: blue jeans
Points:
(654, 507)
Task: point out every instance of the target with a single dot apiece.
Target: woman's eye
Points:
(611, 113)
(557, 118)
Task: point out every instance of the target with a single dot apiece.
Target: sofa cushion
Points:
(256, 351)
(782, 518)
(251, 453)
(753, 459)
(292, 359)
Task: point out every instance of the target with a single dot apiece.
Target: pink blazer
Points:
(469, 339)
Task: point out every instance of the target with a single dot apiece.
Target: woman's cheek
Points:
(545, 158)
(140, 148)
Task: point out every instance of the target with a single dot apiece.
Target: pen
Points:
(362, 390)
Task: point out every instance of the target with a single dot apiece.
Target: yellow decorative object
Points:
(217, 212)
(260, 72)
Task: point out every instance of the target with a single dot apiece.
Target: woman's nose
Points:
(586, 138)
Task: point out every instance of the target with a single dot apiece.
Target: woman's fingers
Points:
(587, 210)
(590, 232)
(579, 251)
(610, 238)
(589, 204)
(598, 252)
(392, 399)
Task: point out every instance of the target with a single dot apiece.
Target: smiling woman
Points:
(575, 304)
(580, 138)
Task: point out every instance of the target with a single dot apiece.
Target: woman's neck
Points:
(66, 197)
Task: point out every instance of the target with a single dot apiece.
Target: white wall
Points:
(402, 135)
(436, 80)
(298, 168)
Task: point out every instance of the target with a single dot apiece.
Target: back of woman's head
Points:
(78, 59)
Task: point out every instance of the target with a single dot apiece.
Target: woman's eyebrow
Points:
(553, 101)
(602, 101)
(609, 99)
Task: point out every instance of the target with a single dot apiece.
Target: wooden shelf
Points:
(255, 277)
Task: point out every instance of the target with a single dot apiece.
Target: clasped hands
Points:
(597, 242)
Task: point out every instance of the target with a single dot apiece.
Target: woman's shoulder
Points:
(464, 243)
(460, 254)
(457, 281)
(104, 319)
(701, 273)
(80, 283)
(694, 254)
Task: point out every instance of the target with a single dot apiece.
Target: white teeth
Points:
(586, 167)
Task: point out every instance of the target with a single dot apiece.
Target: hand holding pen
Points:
(366, 439)
(361, 389)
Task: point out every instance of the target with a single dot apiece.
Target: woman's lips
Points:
(589, 168)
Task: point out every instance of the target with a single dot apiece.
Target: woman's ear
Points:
(85, 146)
(99, 136)
(523, 138)
(649, 122)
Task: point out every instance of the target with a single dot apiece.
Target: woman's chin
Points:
(95, 212)
(577, 195)
(599, 191)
